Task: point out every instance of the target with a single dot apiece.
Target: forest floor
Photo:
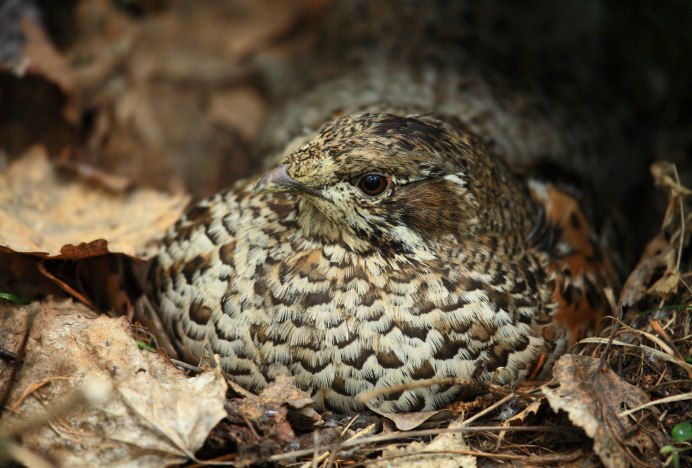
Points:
(113, 116)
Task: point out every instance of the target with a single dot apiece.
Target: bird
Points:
(389, 248)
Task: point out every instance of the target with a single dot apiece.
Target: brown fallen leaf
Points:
(655, 258)
(593, 398)
(225, 109)
(155, 415)
(43, 214)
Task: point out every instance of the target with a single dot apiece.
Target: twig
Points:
(33, 388)
(617, 309)
(423, 433)
(65, 286)
(25, 456)
(372, 394)
(683, 220)
(186, 366)
(490, 408)
(6, 354)
(668, 383)
(533, 459)
(335, 447)
(670, 399)
(655, 352)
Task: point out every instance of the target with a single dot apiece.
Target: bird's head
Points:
(398, 182)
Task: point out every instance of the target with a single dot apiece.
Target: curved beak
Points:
(278, 180)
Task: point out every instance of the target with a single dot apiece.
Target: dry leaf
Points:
(593, 398)
(652, 261)
(518, 418)
(413, 454)
(665, 175)
(43, 214)
(155, 415)
(410, 421)
(36, 55)
(532, 408)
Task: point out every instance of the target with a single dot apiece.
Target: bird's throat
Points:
(314, 222)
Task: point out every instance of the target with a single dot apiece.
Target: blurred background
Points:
(173, 94)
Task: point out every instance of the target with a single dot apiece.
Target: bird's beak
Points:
(278, 180)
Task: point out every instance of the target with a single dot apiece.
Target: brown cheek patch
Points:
(431, 207)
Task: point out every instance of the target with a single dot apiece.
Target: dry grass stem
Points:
(670, 399)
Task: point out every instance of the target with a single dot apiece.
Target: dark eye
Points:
(372, 184)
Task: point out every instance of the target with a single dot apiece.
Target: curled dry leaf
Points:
(418, 454)
(299, 403)
(658, 255)
(44, 214)
(154, 416)
(531, 409)
(593, 397)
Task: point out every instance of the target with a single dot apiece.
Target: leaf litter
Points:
(46, 214)
(78, 213)
(153, 416)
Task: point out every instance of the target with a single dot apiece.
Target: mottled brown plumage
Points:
(443, 263)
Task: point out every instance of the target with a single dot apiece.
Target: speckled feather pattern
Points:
(460, 268)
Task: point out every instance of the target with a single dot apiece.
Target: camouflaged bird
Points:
(387, 249)
(391, 244)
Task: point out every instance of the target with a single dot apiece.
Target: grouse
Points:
(389, 248)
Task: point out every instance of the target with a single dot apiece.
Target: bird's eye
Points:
(372, 184)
